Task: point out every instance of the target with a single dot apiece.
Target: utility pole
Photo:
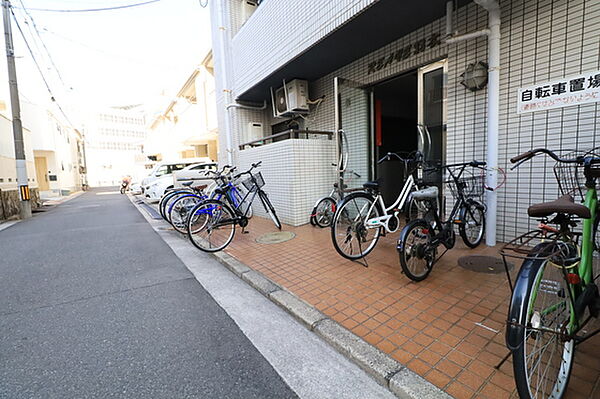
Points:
(16, 115)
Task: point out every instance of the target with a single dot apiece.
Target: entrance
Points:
(384, 118)
(41, 173)
(396, 117)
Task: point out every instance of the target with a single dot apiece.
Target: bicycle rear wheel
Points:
(269, 208)
(324, 211)
(350, 235)
(543, 359)
(416, 255)
(211, 225)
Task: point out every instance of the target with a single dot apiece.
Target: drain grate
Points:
(276, 237)
(483, 264)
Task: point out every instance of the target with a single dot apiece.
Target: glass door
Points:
(432, 116)
(353, 114)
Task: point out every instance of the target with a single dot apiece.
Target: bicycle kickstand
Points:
(504, 359)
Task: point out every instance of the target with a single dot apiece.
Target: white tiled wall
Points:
(541, 40)
(296, 173)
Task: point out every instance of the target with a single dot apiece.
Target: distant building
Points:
(114, 140)
(58, 151)
(186, 127)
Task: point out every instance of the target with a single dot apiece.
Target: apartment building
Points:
(186, 126)
(490, 79)
(114, 140)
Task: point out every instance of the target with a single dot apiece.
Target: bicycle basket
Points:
(471, 186)
(249, 182)
(570, 177)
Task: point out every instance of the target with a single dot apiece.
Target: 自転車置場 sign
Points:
(575, 90)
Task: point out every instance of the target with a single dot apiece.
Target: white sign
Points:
(575, 90)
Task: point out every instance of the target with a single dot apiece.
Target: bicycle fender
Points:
(517, 312)
(405, 231)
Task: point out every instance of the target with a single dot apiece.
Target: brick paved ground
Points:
(448, 328)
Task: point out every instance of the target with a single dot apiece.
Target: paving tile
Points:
(430, 324)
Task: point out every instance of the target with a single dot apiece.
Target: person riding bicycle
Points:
(125, 182)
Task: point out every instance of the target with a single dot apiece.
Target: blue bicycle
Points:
(211, 223)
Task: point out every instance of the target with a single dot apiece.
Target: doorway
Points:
(395, 120)
(41, 173)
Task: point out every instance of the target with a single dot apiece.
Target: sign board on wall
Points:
(575, 90)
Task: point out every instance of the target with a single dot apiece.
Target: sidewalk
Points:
(448, 328)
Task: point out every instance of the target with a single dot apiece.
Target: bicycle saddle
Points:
(564, 204)
(426, 193)
(187, 183)
(372, 185)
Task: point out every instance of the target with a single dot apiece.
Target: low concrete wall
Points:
(297, 172)
(9, 203)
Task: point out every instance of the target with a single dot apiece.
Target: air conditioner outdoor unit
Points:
(280, 102)
(291, 98)
(297, 95)
(248, 8)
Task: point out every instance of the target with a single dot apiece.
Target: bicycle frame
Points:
(392, 210)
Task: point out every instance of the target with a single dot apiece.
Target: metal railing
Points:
(286, 135)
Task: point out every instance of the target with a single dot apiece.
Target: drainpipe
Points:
(493, 103)
(225, 64)
(493, 111)
(251, 107)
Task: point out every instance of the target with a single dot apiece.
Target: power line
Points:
(96, 9)
(42, 41)
(40, 69)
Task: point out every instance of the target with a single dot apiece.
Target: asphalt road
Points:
(93, 303)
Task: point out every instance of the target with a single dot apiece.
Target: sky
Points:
(111, 58)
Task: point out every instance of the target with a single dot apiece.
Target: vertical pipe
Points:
(493, 110)
(225, 59)
(449, 10)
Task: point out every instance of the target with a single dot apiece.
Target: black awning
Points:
(378, 25)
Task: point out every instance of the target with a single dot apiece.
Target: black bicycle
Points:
(421, 237)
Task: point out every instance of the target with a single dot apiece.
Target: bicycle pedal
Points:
(245, 232)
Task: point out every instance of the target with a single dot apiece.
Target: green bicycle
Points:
(555, 294)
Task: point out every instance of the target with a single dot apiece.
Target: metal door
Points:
(353, 115)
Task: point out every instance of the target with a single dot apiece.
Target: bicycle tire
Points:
(528, 282)
(162, 205)
(180, 224)
(408, 250)
(478, 212)
(347, 207)
(323, 212)
(212, 211)
(269, 208)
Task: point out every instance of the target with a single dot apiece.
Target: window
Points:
(163, 170)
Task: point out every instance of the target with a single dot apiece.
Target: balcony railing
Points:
(289, 134)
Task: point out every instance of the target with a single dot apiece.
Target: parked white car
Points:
(195, 172)
(167, 168)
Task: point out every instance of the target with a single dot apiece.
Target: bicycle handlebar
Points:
(416, 155)
(254, 165)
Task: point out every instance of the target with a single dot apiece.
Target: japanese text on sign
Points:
(576, 90)
(404, 53)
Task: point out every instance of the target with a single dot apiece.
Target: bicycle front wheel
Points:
(472, 226)
(269, 208)
(349, 232)
(211, 225)
(543, 359)
(417, 256)
(324, 211)
(179, 212)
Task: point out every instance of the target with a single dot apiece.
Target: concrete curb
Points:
(388, 372)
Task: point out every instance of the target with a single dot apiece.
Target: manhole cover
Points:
(483, 264)
(276, 237)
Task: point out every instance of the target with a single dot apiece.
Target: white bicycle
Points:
(362, 217)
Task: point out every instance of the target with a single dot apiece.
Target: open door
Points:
(432, 116)
(353, 105)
